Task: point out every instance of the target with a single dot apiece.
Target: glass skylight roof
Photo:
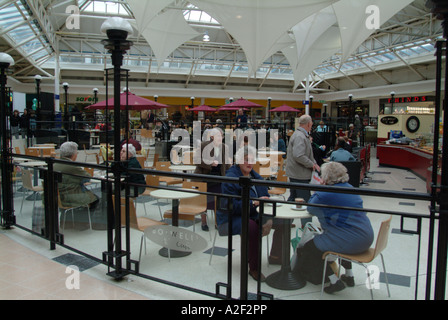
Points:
(196, 15)
(105, 7)
(21, 31)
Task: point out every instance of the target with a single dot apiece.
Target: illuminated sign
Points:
(408, 99)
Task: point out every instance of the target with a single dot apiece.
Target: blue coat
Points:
(341, 155)
(345, 231)
(235, 189)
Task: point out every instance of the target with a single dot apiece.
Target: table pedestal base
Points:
(173, 253)
(285, 279)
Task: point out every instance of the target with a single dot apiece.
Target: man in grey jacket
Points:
(300, 161)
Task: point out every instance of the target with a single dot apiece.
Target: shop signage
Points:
(176, 238)
(85, 99)
(408, 99)
(389, 120)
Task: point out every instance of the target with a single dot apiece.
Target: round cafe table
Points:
(175, 196)
(285, 279)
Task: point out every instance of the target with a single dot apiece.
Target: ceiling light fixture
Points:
(206, 37)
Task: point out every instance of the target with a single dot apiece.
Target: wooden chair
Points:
(136, 223)
(66, 209)
(27, 182)
(165, 166)
(191, 207)
(146, 134)
(279, 191)
(141, 159)
(32, 152)
(88, 153)
(49, 152)
(264, 169)
(365, 257)
(187, 157)
(155, 160)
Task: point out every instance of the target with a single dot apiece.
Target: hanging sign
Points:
(176, 238)
(389, 120)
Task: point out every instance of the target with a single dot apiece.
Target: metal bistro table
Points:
(285, 279)
(175, 196)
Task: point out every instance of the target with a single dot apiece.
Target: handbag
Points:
(308, 234)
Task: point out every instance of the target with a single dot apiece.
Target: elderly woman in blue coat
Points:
(344, 231)
(245, 159)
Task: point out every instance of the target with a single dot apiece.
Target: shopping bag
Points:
(315, 178)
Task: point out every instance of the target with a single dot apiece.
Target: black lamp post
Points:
(6, 212)
(38, 79)
(65, 86)
(95, 100)
(350, 107)
(117, 30)
(311, 105)
(440, 9)
(269, 109)
(392, 95)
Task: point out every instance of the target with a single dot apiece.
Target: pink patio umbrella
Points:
(243, 103)
(203, 108)
(284, 108)
(134, 103)
(225, 108)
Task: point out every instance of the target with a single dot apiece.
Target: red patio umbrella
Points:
(203, 108)
(225, 108)
(284, 108)
(134, 102)
(242, 103)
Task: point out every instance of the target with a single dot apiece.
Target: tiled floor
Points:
(28, 275)
(29, 270)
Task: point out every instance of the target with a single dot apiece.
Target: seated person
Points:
(128, 157)
(245, 158)
(340, 153)
(344, 231)
(72, 191)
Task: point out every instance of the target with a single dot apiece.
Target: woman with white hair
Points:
(128, 157)
(344, 231)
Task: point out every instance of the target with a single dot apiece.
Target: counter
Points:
(417, 160)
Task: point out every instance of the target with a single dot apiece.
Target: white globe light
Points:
(6, 58)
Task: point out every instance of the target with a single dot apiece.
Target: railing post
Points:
(245, 214)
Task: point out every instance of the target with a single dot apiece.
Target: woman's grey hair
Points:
(243, 152)
(68, 149)
(131, 149)
(305, 119)
(334, 172)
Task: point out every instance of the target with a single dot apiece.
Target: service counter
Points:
(418, 160)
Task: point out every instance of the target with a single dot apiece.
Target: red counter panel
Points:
(405, 157)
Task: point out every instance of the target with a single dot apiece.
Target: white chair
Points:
(28, 185)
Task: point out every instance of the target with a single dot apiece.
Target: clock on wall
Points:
(412, 124)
